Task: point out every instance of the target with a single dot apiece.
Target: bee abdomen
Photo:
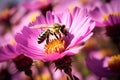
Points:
(41, 38)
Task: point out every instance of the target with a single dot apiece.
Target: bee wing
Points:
(39, 26)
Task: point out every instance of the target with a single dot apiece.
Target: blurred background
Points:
(92, 61)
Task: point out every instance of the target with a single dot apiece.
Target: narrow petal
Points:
(56, 18)
(96, 66)
(49, 18)
(52, 57)
(41, 19)
(72, 51)
(79, 15)
(32, 53)
(67, 19)
(82, 32)
(8, 52)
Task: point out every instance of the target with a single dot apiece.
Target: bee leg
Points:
(56, 35)
(59, 35)
(47, 39)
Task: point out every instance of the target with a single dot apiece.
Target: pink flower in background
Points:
(8, 52)
(18, 60)
(106, 12)
(8, 71)
(5, 24)
(36, 4)
(89, 4)
(108, 16)
(103, 66)
(61, 5)
(92, 4)
(77, 24)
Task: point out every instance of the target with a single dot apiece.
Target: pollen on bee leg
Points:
(114, 63)
(55, 45)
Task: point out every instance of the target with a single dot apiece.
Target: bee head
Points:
(63, 30)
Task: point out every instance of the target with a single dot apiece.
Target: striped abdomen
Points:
(42, 36)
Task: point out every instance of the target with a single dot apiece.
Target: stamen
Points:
(114, 63)
(56, 45)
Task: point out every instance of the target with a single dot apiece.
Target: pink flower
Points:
(78, 25)
(8, 52)
(61, 5)
(103, 66)
(36, 4)
(106, 14)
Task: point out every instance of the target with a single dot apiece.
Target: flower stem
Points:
(50, 72)
(31, 78)
(68, 72)
(100, 78)
(29, 73)
(47, 64)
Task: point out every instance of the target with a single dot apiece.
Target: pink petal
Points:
(67, 19)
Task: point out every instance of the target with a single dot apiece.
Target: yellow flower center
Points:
(114, 63)
(105, 17)
(55, 45)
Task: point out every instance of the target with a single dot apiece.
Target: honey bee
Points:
(54, 29)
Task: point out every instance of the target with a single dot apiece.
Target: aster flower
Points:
(36, 4)
(102, 13)
(7, 43)
(101, 65)
(75, 29)
(4, 72)
(5, 20)
(7, 9)
(63, 4)
(79, 27)
(9, 53)
(8, 71)
(92, 4)
(108, 15)
(6, 27)
(21, 21)
(29, 17)
(42, 5)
